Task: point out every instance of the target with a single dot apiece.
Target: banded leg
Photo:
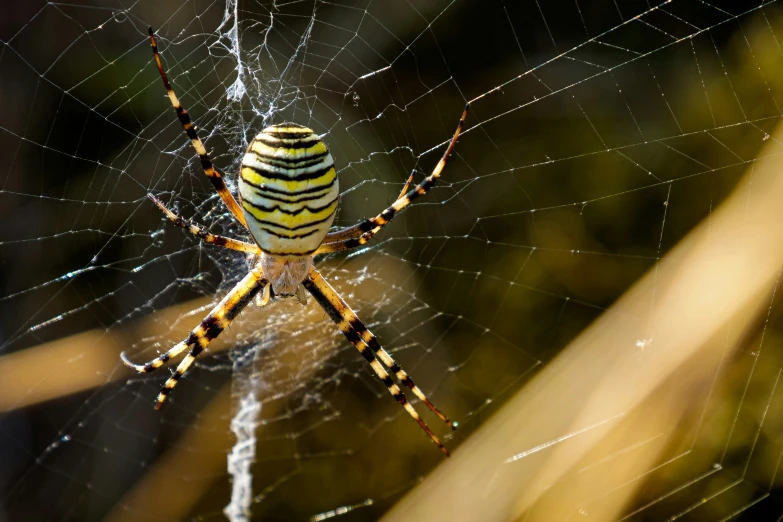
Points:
(355, 331)
(347, 244)
(190, 129)
(371, 226)
(212, 325)
(370, 340)
(202, 234)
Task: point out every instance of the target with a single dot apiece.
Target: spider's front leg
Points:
(212, 325)
(367, 344)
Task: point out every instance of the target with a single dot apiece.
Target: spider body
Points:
(285, 274)
(288, 191)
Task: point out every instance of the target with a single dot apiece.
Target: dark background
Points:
(571, 181)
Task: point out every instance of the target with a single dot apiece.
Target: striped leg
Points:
(202, 234)
(346, 244)
(212, 325)
(190, 129)
(355, 331)
(368, 228)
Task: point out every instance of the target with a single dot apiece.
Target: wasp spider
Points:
(288, 198)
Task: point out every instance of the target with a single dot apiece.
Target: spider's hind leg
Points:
(361, 233)
(190, 129)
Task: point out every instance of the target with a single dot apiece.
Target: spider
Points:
(288, 193)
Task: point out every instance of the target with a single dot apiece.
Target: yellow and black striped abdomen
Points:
(289, 190)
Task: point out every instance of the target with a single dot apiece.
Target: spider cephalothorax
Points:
(285, 274)
(288, 192)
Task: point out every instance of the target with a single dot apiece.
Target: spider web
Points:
(600, 134)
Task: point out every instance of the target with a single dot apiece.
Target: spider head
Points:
(285, 274)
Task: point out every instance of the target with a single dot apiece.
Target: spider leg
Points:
(202, 234)
(206, 163)
(370, 227)
(370, 340)
(355, 331)
(211, 326)
(347, 244)
(407, 185)
(158, 361)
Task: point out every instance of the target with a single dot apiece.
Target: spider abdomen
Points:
(289, 190)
